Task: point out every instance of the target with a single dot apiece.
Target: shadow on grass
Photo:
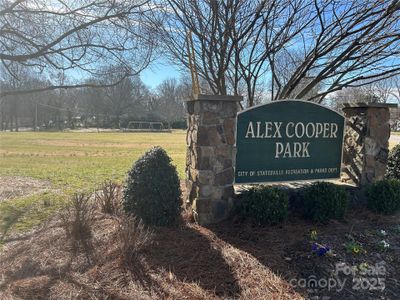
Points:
(23, 214)
(9, 217)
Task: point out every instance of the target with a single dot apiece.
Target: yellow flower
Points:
(313, 235)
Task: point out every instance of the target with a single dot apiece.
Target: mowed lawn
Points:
(72, 162)
(81, 160)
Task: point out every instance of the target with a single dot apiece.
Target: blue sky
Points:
(161, 69)
(157, 72)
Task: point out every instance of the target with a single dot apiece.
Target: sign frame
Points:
(295, 180)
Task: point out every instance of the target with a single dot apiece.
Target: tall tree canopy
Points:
(53, 36)
(307, 49)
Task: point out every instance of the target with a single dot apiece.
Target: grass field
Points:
(80, 160)
(71, 162)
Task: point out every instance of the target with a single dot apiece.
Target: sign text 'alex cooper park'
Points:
(288, 140)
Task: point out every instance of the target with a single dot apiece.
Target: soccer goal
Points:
(146, 126)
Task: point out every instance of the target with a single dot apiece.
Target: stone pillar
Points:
(210, 143)
(366, 142)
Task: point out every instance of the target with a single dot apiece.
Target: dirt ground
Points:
(19, 186)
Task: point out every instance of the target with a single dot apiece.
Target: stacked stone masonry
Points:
(210, 152)
(366, 142)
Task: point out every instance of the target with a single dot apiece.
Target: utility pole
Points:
(34, 129)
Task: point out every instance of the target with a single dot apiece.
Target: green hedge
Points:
(324, 201)
(384, 196)
(265, 205)
(152, 190)
(393, 165)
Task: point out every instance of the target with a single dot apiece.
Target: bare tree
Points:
(114, 105)
(14, 108)
(169, 99)
(383, 91)
(352, 95)
(280, 23)
(83, 36)
(222, 32)
(310, 48)
(395, 88)
(351, 44)
(380, 90)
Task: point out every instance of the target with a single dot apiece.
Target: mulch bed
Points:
(231, 260)
(287, 250)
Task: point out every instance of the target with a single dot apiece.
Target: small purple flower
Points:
(314, 247)
(320, 250)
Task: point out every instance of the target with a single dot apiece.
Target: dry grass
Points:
(77, 220)
(133, 237)
(109, 197)
(20, 186)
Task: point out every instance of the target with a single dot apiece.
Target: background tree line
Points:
(106, 107)
(265, 50)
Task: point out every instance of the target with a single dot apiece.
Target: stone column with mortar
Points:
(366, 142)
(210, 156)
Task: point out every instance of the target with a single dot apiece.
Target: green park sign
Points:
(288, 140)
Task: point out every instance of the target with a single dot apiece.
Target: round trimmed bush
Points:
(393, 165)
(265, 205)
(384, 196)
(152, 191)
(324, 201)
